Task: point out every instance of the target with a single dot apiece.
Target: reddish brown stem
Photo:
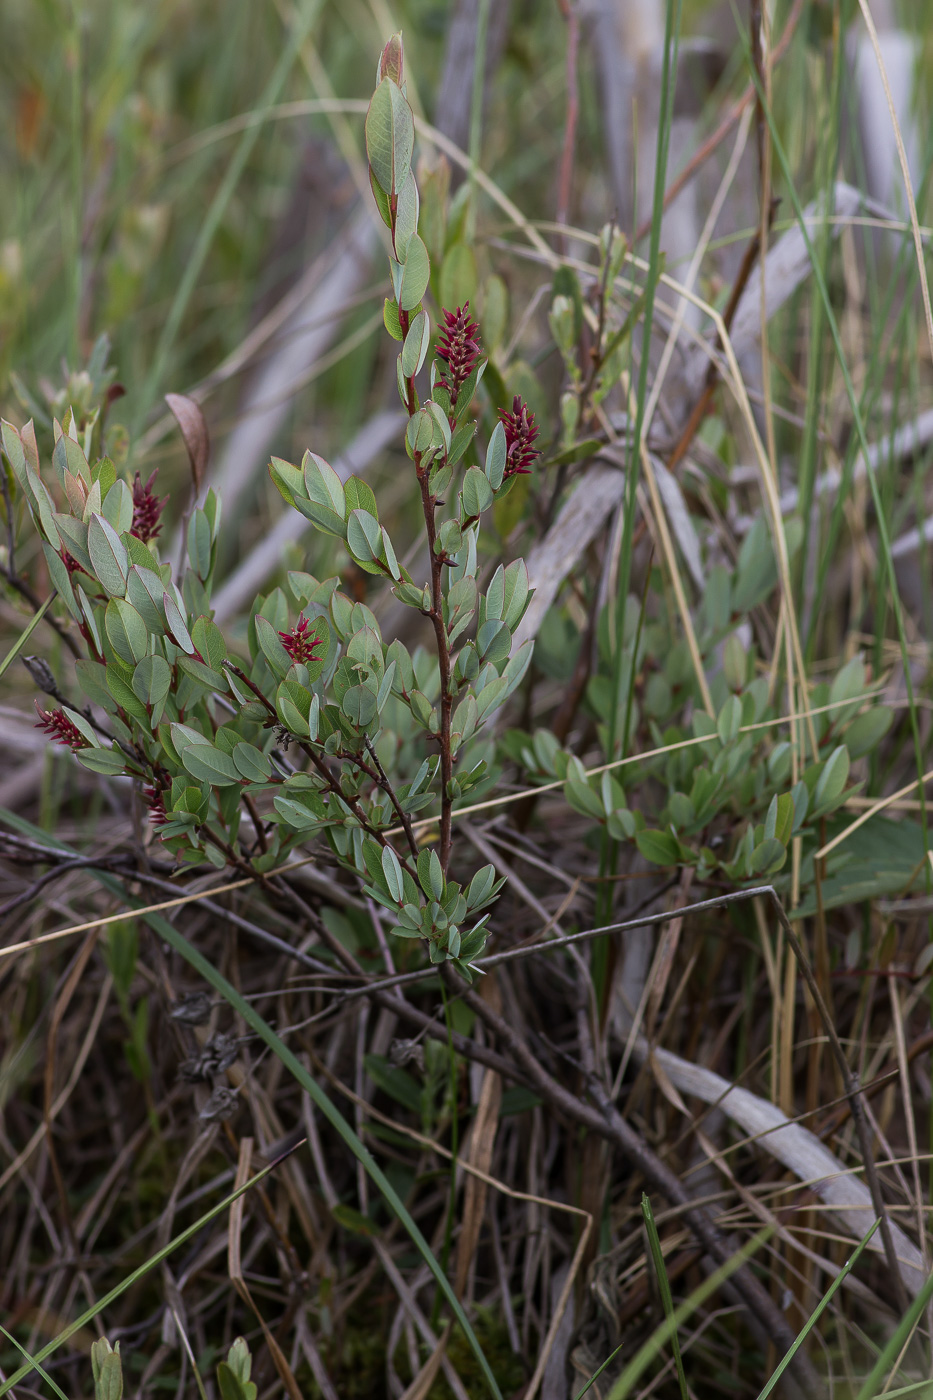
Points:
(436, 614)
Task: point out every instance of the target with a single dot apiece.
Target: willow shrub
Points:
(329, 732)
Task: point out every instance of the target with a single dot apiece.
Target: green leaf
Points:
(768, 856)
(390, 137)
(73, 534)
(209, 641)
(460, 441)
(239, 1359)
(110, 762)
(118, 507)
(416, 274)
(118, 683)
(359, 705)
(382, 202)
(661, 847)
(390, 318)
(422, 709)
(108, 556)
(152, 681)
(364, 537)
(270, 644)
(92, 678)
(230, 1385)
(516, 594)
(144, 589)
(831, 782)
(581, 797)
(323, 485)
(430, 874)
(406, 216)
(175, 625)
(866, 731)
(210, 765)
(58, 573)
(496, 457)
(730, 720)
(199, 544)
(288, 479)
(480, 887)
(128, 634)
(491, 695)
(393, 874)
(847, 685)
(108, 1385)
(416, 344)
(252, 763)
(395, 1082)
(779, 822)
(360, 496)
(477, 493)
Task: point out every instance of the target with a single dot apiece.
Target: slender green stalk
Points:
(881, 1371)
(34, 1365)
(301, 28)
(884, 539)
(665, 120)
(476, 108)
(132, 1278)
(660, 1272)
(26, 633)
(77, 180)
(662, 1334)
(817, 1312)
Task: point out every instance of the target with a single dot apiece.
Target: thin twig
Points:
(608, 1122)
(854, 1095)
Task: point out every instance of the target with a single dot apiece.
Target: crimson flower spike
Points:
(61, 729)
(154, 799)
(298, 643)
(146, 510)
(520, 434)
(458, 347)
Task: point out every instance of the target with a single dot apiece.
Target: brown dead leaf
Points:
(193, 426)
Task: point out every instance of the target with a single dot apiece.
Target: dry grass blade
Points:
(478, 1155)
(797, 1148)
(871, 810)
(64, 1094)
(235, 1270)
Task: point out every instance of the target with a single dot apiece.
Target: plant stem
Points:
(436, 614)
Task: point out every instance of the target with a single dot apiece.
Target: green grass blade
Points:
(817, 1311)
(34, 1365)
(26, 633)
(663, 1333)
(657, 1259)
(878, 1375)
(608, 848)
(330, 1111)
(668, 78)
(884, 539)
(128, 1282)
